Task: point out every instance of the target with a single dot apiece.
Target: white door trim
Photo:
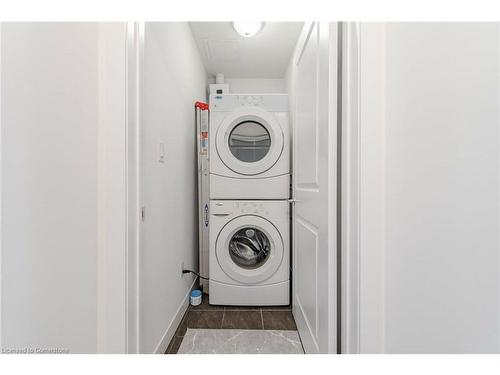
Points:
(350, 190)
(1, 210)
(135, 55)
(362, 197)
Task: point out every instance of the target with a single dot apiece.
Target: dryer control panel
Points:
(250, 99)
(269, 102)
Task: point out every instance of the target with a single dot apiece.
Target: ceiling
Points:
(265, 55)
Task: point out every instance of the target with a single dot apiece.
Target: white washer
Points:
(249, 253)
(249, 146)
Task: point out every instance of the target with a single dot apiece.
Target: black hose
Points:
(195, 273)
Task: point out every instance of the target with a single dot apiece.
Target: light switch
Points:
(161, 152)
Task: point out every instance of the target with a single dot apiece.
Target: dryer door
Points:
(249, 249)
(249, 141)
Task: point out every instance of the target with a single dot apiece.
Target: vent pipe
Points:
(219, 79)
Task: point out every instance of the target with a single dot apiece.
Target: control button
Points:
(257, 100)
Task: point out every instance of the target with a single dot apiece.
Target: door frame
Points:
(134, 80)
(349, 175)
(362, 328)
(1, 183)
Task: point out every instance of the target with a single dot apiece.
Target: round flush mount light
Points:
(248, 29)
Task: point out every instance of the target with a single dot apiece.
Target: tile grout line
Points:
(182, 321)
(222, 320)
(177, 330)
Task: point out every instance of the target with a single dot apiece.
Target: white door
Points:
(314, 96)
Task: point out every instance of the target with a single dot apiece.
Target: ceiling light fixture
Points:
(248, 29)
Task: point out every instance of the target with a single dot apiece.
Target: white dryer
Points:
(249, 146)
(249, 253)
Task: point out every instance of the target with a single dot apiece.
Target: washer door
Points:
(249, 249)
(249, 141)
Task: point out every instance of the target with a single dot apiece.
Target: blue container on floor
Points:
(195, 297)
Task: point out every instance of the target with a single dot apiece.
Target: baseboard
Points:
(161, 348)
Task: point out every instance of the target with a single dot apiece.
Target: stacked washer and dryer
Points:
(249, 174)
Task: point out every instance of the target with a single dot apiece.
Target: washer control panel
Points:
(226, 208)
(251, 208)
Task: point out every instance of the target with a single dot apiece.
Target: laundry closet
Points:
(254, 87)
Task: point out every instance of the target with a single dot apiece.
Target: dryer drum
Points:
(249, 248)
(249, 141)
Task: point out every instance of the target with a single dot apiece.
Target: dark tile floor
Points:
(232, 317)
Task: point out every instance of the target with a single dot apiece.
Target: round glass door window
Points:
(249, 248)
(249, 141)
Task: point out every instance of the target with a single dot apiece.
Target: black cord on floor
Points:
(195, 273)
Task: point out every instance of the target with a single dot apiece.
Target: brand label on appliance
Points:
(206, 215)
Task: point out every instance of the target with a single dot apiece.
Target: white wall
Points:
(174, 78)
(63, 186)
(254, 85)
(112, 186)
(429, 188)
